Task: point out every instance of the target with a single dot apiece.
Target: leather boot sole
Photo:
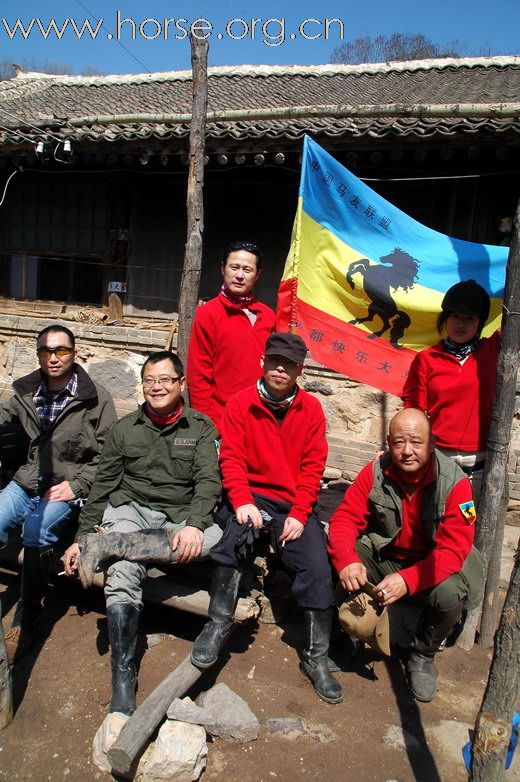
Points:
(422, 678)
(223, 636)
(325, 698)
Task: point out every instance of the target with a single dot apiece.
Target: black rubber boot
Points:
(315, 662)
(434, 627)
(100, 548)
(222, 604)
(122, 619)
(35, 579)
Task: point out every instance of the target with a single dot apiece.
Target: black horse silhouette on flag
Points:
(397, 270)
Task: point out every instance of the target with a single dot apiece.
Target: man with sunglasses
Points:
(156, 487)
(228, 334)
(65, 417)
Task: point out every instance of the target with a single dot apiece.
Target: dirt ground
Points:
(378, 734)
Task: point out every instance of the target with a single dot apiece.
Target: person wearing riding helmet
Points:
(453, 382)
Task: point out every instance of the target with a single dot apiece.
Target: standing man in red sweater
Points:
(407, 524)
(228, 335)
(273, 454)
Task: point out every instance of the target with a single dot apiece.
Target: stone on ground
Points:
(178, 754)
(106, 734)
(293, 728)
(232, 719)
(186, 710)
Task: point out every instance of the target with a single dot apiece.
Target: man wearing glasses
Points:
(157, 483)
(228, 334)
(66, 417)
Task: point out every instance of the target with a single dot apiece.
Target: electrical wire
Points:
(222, 170)
(101, 263)
(14, 133)
(24, 121)
(96, 18)
(18, 170)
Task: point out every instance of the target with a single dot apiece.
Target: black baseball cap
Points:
(287, 345)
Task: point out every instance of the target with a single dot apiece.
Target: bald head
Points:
(410, 440)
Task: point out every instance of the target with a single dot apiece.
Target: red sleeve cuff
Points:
(411, 578)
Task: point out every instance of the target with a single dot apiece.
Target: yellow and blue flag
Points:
(363, 281)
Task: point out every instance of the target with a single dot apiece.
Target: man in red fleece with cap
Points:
(272, 457)
(406, 524)
(228, 335)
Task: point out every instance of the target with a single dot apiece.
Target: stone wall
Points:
(358, 417)
(357, 414)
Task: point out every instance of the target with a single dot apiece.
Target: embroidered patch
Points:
(185, 441)
(468, 511)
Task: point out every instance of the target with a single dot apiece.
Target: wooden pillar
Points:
(190, 280)
(490, 521)
(493, 725)
(6, 696)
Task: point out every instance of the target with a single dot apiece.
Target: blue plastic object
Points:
(467, 748)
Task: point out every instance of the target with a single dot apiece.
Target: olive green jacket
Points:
(69, 449)
(172, 469)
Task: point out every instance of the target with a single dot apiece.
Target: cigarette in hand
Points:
(384, 592)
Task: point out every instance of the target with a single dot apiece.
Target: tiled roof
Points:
(421, 98)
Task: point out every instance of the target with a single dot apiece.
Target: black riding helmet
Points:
(465, 298)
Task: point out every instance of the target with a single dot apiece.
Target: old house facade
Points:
(94, 170)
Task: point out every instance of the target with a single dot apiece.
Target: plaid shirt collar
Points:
(49, 405)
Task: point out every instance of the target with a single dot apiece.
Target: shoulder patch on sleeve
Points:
(469, 512)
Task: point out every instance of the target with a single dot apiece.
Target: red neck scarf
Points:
(411, 481)
(241, 301)
(164, 420)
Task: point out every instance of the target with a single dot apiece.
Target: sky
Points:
(300, 32)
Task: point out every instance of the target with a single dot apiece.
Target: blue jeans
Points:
(43, 521)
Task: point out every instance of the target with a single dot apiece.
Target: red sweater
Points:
(457, 397)
(452, 544)
(283, 461)
(224, 353)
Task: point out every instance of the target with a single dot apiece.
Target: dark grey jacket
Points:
(69, 449)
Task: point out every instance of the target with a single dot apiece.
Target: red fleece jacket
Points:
(457, 397)
(224, 353)
(283, 461)
(452, 543)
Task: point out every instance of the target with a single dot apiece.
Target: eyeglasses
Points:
(164, 380)
(59, 352)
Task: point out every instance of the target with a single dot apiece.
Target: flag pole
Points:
(293, 319)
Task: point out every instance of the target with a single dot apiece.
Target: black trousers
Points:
(305, 558)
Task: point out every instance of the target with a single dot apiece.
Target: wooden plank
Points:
(160, 589)
(134, 734)
(6, 692)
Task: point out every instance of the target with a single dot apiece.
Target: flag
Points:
(363, 281)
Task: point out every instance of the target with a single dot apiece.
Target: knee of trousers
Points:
(123, 583)
(15, 505)
(366, 554)
(44, 525)
(312, 588)
(447, 594)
